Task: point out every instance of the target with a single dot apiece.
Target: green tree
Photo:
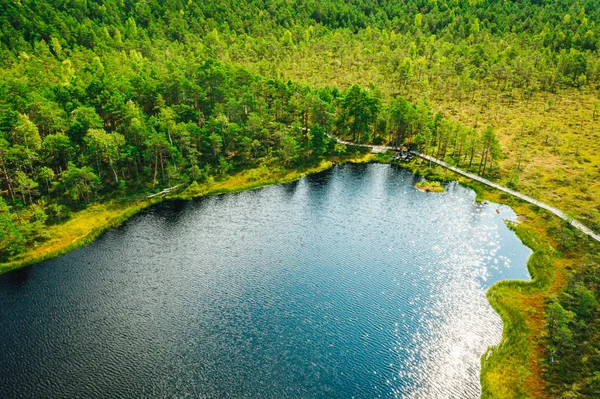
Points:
(491, 150)
(287, 39)
(11, 239)
(57, 151)
(418, 20)
(26, 186)
(289, 150)
(81, 184)
(105, 149)
(27, 134)
(83, 119)
(46, 175)
(586, 301)
(402, 117)
(359, 111)
(559, 333)
(158, 150)
(317, 141)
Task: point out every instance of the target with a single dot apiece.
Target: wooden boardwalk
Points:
(556, 211)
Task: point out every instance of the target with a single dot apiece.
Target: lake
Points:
(347, 283)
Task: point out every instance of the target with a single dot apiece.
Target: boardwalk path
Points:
(480, 179)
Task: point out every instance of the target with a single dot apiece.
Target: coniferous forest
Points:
(116, 98)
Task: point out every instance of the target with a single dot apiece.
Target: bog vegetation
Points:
(107, 99)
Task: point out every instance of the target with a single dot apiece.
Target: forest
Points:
(106, 99)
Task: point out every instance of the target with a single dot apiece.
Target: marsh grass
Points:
(514, 367)
(552, 154)
(511, 369)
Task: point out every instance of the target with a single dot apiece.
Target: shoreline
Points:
(511, 368)
(87, 225)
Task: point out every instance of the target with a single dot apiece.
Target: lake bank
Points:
(88, 224)
(515, 367)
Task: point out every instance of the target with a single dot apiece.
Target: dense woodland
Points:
(110, 98)
(572, 357)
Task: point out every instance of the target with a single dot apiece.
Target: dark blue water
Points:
(349, 283)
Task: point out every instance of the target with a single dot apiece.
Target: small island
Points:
(430, 187)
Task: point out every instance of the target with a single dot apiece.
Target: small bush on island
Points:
(430, 187)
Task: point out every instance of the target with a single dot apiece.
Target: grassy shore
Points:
(513, 368)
